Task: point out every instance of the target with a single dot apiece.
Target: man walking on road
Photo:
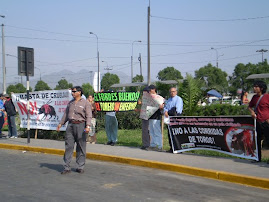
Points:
(173, 107)
(259, 109)
(78, 113)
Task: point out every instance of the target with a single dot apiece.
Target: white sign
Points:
(150, 104)
(46, 108)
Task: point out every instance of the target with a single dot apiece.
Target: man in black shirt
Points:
(11, 115)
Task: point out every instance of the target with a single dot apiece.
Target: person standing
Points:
(78, 113)
(259, 109)
(91, 138)
(11, 116)
(111, 127)
(145, 128)
(155, 125)
(2, 114)
(173, 107)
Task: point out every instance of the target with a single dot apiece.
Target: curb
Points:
(206, 173)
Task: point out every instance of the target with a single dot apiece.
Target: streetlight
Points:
(107, 66)
(132, 59)
(39, 73)
(262, 51)
(98, 77)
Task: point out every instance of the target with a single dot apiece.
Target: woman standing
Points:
(92, 135)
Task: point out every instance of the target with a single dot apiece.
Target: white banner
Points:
(46, 108)
(150, 104)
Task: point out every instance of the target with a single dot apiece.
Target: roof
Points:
(258, 76)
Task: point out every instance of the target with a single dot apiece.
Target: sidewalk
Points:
(226, 169)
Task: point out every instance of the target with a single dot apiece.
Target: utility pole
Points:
(3, 59)
(262, 51)
(149, 44)
(140, 61)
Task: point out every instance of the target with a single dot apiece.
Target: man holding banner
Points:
(259, 109)
(173, 107)
(155, 124)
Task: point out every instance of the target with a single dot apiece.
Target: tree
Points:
(169, 73)
(18, 88)
(138, 78)
(63, 84)
(191, 93)
(87, 89)
(212, 78)
(108, 80)
(41, 85)
(241, 72)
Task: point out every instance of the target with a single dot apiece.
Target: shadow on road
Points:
(57, 167)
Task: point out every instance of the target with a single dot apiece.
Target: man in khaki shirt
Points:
(78, 113)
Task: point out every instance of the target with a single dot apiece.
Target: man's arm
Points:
(88, 116)
(179, 105)
(64, 119)
(253, 114)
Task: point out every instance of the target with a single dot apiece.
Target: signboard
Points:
(25, 61)
(116, 101)
(150, 104)
(233, 135)
(46, 108)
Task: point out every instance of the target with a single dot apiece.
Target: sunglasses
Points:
(74, 91)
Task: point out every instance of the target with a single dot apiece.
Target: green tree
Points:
(191, 93)
(212, 78)
(87, 89)
(108, 80)
(18, 88)
(169, 73)
(138, 78)
(41, 85)
(63, 84)
(241, 72)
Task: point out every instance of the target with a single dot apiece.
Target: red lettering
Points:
(22, 107)
(97, 106)
(117, 106)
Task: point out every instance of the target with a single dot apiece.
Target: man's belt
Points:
(76, 122)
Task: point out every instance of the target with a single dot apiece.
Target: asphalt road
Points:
(36, 177)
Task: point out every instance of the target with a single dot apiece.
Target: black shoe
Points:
(144, 148)
(170, 151)
(64, 172)
(254, 161)
(113, 143)
(108, 143)
(80, 171)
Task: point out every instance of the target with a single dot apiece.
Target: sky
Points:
(185, 34)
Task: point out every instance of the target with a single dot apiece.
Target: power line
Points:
(210, 20)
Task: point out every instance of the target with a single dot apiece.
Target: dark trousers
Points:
(145, 133)
(75, 134)
(12, 129)
(262, 130)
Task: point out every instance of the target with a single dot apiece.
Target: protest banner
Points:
(150, 104)
(116, 101)
(46, 108)
(233, 135)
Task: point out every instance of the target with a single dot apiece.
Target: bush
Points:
(221, 109)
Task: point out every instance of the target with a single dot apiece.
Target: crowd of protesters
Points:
(81, 117)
